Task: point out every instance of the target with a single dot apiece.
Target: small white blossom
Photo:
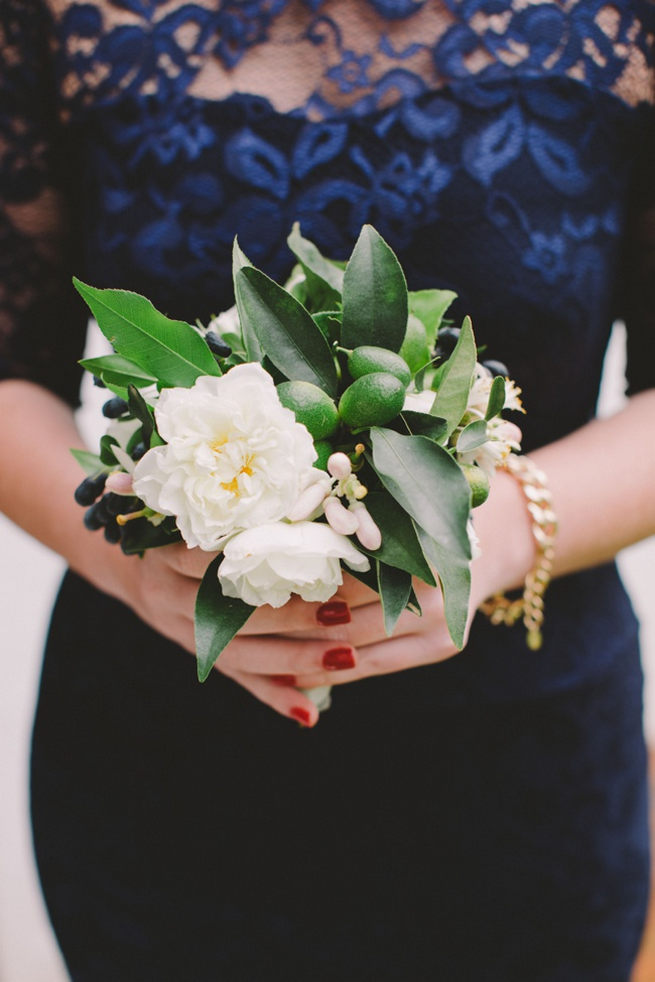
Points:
(266, 565)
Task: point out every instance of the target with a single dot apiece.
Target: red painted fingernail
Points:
(283, 679)
(336, 659)
(333, 612)
(302, 715)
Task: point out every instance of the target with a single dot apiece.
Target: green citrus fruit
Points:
(478, 483)
(368, 359)
(324, 450)
(312, 407)
(372, 400)
(415, 348)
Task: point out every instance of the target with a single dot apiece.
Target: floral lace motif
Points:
(339, 56)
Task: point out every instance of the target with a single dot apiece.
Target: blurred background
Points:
(29, 576)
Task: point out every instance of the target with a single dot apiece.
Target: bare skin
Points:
(601, 477)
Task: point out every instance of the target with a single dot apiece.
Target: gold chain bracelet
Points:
(499, 609)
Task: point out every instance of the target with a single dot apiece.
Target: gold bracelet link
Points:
(530, 606)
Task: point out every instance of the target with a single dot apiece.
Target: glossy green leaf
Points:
(369, 577)
(217, 620)
(90, 463)
(329, 324)
(456, 379)
(324, 279)
(374, 295)
(251, 343)
(171, 351)
(140, 534)
(118, 371)
(394, 586)
(140, 409)
(423, 424)
(430, 306)
(400, 545)
(106, 455)
(472, 436)
(496, 398)
(286, 331)
(426, 481)
(455, 578)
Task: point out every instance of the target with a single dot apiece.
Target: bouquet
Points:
(336, 422)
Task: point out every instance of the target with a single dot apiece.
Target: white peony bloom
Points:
(420, 402)
(266, 565)
(234, 456)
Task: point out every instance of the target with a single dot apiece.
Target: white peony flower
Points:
(234, 456)
(266, 565)
(420, 402)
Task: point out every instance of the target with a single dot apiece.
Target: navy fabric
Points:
(505, 151)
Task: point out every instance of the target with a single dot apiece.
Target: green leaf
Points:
(218, 619)
(426, 481)
(369, 577)
(90, 463)
(171, 351)
(456, 380)
(140, 534)
(141, 410)
(106, 455)
(496, 398)
(250, 340)
(472, 436)
(118, 371)
(394, 586)
(324, 279)
(430, 306)
(455, 577)
(329, 324)
(286, 331)
(400, 546)
(374, 295)
(424, 424)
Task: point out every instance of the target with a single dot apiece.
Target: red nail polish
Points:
(336, 659)
(283, 679)
(302, 715)
(333, 612)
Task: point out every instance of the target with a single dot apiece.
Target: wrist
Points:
(508, 549)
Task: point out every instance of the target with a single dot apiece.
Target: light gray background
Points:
(29, 575)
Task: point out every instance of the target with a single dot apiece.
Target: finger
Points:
(386, 657)
(284, 656)
(283, 699)
(188, 562)
(298, 616)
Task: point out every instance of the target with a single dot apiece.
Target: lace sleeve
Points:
(41, 321)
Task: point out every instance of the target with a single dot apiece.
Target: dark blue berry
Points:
(217, 345)
(446, 340)
(115, 504)
(497, 368)
(114, 408)
(138, 450)
(87, 492)
(94, 518)
(113, 531)
(97, 381)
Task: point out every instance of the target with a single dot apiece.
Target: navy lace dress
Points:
(483, 819)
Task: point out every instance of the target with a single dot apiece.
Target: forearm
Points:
(38, 478)
(601, 477)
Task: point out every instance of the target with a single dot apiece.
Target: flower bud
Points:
(339, 465)
(367, 532)
(339, 518)
(307, 502)
(120, 483)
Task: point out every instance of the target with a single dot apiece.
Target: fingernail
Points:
(336, 659)
(302, 715)
(333, 612)
(283, 679)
